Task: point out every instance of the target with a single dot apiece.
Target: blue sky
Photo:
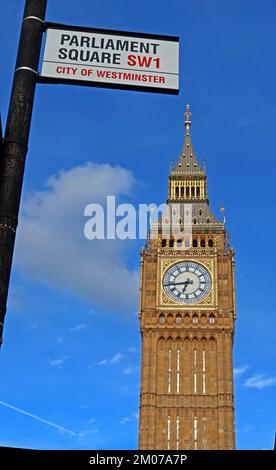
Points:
(70, 361)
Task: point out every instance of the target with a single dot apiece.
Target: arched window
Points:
(200, 212)
(210, 243)
(195, 319)
(187, 243)
(177, 191)
(171, 243)
(178, 318)
(179, 243)
(182, 191)
(193, 191)
(187, 191)
(164, 242)
(198, 191)
(208, 220)
(211, 319)
(194, 221)
(202, 243)
(161, 318)
(195, 244)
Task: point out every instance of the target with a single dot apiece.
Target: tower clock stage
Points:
(187, 316)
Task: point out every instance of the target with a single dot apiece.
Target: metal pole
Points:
(15, 144)
(1, 134)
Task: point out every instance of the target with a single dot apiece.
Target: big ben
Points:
(187, 317)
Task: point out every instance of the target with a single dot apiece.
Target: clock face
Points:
(187, 282)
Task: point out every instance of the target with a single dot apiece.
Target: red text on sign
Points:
(67, 70)
(143, 61)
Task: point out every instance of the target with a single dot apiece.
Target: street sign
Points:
(110, 59)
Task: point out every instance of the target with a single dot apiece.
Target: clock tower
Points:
(187, 316)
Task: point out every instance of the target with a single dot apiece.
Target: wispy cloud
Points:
(130, 370)
(260, 381)
(103, 362)
(240, 370)
(125, 420)
(128, 419)
(38, 418)
(116, 358)
(133, 349)
(59, 363)
(86, 432)
(76, 328)
(113, 360)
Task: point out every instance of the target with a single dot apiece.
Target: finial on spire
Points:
(187, 125)
(188, 114)
(222, 210)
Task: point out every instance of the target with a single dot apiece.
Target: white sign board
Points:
(114, 59)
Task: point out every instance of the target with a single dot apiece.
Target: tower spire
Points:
(187, 161)
(187, 142)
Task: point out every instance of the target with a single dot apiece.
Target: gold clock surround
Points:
(165, 302)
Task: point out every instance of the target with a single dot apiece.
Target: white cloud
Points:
(82, 434)
(113, 360)
(59, 363)
(103, 362)
(116, 358)
(130, 370)
(125, 420)
(77, 328)
(133, 349)
(51, 229)
(260, 381)
(240, 370)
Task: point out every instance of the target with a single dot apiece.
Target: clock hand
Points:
(189, 281)
(179, 283)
